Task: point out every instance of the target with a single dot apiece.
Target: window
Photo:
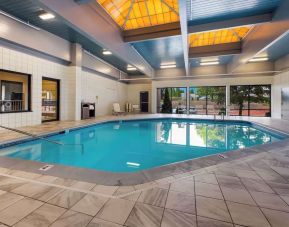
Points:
(250, 100)
(177, 99)
(207, 100)
(15, 92)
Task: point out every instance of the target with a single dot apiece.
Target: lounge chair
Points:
(135, 108)
(116, 109)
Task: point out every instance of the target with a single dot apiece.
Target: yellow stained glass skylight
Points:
(132, 14)
(208, 38)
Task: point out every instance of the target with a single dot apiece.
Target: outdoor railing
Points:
(11, 106)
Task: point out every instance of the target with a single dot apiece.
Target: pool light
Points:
(134, 164)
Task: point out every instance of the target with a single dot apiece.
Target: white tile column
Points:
(74, 88)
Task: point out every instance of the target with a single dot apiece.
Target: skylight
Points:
(133, 14)
(215, 37)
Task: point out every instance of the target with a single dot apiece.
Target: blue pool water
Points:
(130, 146)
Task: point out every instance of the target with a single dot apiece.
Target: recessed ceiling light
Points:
(209, 63)
(106, 52)
(45, 15)
(166, 65)
(259, 59)
(130, 68)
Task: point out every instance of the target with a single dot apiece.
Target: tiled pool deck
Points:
(249, 188)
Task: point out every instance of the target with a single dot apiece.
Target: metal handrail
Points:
(41, 137)
(30, 134)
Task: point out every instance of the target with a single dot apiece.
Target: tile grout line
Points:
(196, 212)
(58, 186)
(260, 208)
(225, 200)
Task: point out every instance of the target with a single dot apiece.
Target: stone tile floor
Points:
(250, 191)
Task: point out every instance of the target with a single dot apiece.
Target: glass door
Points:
(50, 99)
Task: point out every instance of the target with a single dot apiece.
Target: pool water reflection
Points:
(130, 146)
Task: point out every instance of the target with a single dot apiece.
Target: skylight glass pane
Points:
(135, 14)
(218, 37)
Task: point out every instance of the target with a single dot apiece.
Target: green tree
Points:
(167, 105)
(240, 95)
(215, 94)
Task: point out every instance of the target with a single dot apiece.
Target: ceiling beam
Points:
(215, 50)
(262, 37)
(92, 21)
(184, 32)
(252, 20)
(153, 32)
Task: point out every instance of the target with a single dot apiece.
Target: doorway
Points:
(50, 99)
(144, 101)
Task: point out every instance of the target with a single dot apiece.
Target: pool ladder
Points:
(41, 137)
(222, 117)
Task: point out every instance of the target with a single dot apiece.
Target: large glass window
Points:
(250, 100)
(172, 100)
(15, 92)
(207, 100)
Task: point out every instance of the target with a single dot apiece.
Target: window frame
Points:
(29, 76)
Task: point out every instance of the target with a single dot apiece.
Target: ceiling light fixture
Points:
(130, 68)
(209, 63)
(259, 59)
(168, 65)
(106, 52)
(45, 15)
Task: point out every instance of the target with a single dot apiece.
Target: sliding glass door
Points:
(50, 99)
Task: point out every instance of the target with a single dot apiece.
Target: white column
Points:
(75, 82)
(227, 98)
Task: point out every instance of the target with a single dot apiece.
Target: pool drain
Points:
(222, 156)
(46, 167)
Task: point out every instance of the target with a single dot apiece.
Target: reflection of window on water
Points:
(199, 135)
(14, 92)
(224, 137)
(171, 133)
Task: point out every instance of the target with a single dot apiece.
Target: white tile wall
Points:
(280, 81)
(19, 62)
(75, 85)
(108, 91)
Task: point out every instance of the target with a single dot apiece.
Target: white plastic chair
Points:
(135, 108)
(116, 109)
